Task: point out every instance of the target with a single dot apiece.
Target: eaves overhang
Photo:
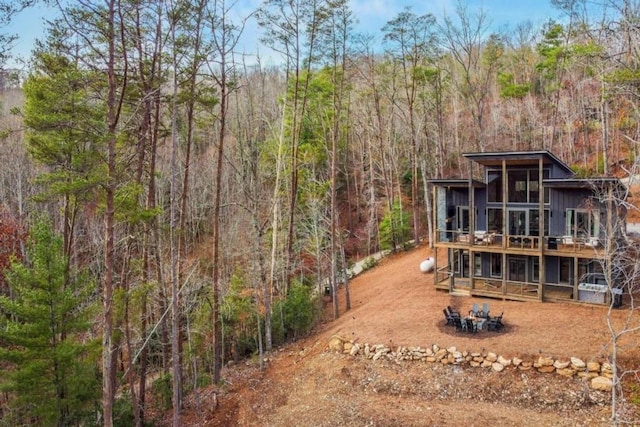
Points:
(518, 158)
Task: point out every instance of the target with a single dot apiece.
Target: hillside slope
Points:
(395, 304)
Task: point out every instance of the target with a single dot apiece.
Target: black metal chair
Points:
(452, 312)
(495, 323)
(471, 326)
(460, 324)
(448, 317)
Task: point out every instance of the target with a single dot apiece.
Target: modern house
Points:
(522, 226)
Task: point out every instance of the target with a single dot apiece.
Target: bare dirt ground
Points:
(395, 304)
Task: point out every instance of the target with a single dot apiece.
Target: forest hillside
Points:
(169, 204)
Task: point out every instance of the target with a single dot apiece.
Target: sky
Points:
(371, 14)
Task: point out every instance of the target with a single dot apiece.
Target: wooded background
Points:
(196, 203)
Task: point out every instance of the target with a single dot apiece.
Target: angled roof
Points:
(588, 183)
(517, 158)
(456, 182)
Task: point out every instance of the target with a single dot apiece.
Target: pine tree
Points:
(48, 356)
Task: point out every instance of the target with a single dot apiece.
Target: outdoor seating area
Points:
(477, 319)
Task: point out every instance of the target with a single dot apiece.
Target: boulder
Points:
(577, 364)
(491, 357)
(440, 354)
(497, 367)
(336, 343)
(601, 383)
(504, 362)
(543, 362)
(593, 367)
(355, 349)
(566, 372)
(561, 364)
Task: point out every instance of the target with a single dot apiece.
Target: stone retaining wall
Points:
(598, 374)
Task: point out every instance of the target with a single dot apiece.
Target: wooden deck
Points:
(526, 245)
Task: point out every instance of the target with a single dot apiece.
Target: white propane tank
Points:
(427, 265)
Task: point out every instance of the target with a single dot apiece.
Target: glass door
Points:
(517, 269)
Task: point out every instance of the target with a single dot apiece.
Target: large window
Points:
(526, 222)
(524, 186)
(566, 270)
(477, 264)
(494, 186)
(518, 186)
(494, 220)
(463, 218)
(496, 265)
(583, 223)
(517, 222)
(461, 263)
(517, 269)
(535, 269)
(588, 267)
(534, 222)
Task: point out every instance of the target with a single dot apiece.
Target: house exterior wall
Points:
(531, 264)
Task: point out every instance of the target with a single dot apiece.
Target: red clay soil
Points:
(396, 304)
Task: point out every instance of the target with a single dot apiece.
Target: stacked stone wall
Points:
(598, 374)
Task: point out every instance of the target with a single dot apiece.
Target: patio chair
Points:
(452, 312)
(492, 324)
(449, 318)
(485, 309)
(496, 323)
(471, 327)
(459, 324)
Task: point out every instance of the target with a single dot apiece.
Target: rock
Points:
(588, 375)
(543, 362)
(486, 364)
(441, 353)
(593, 367)
(547, 369)
(452, 349)
(516, 361)
(336, 343)
(577, 364)
(566, 372)
(504, 362)
(347, 347)
(561, 364)
(601, 383)
(355, 349)
(497, 367)
(606, 367)
(474, 364)
(491, 357)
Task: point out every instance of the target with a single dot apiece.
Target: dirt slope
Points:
(395, 304)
